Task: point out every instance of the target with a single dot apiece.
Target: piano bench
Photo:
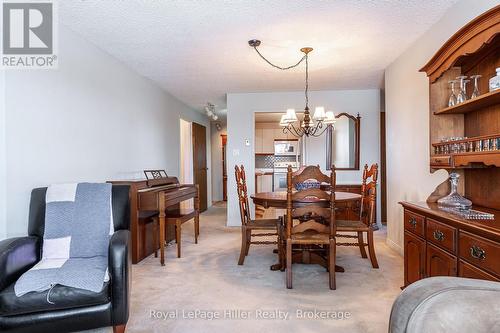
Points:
(177, 218)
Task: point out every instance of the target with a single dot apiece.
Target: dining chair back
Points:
(264, 227)
(366, 220)
(369, 194)
(314, 208)
(241, 187)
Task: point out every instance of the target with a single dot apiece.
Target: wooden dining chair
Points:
(315, 210)
(366, 217)
(248, 225)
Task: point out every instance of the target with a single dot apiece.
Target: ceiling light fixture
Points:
(321, 120)
(210, 110)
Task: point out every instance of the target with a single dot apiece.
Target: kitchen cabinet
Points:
(279, 135)
(267, 140)
(258, 140)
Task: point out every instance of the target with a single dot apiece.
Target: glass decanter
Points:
(454, 199)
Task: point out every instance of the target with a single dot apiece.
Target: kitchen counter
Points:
(263, 171)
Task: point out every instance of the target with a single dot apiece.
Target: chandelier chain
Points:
(279, 67)
(307, 126)
(307, 81)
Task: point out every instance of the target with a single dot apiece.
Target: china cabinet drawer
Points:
(441, 161)
(414, 223)
(481, 252)
(441, 234)
(466, 270)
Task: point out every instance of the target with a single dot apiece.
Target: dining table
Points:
(316, 255)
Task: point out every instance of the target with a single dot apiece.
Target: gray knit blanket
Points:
(78, 226)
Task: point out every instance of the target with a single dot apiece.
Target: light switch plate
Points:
(247, 142)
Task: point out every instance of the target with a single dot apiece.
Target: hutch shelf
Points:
(476, 104)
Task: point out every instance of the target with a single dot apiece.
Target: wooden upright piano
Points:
(154, 197)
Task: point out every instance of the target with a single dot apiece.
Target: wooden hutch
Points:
(440, 243)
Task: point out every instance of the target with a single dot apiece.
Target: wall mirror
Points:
(342, 143)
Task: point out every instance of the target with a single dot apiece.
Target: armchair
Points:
(70, 309)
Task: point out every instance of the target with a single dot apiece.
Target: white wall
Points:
(240, 126)
(216, 141)
(90, 120)
(3, 222)
(407, 116)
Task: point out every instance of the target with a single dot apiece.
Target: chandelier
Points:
(320, 121)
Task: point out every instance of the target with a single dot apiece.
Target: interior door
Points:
(200, 162)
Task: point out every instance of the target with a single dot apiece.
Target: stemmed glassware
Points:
(453, 97)
(475, 93)
(462, 95)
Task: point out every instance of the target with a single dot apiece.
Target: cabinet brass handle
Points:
(438, 235)
(413, 222)
(477, 253)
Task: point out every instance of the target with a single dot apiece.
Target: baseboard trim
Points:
(394, 246)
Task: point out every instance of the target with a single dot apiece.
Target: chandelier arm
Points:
(321, 133)
(276, 66)
(296, 132)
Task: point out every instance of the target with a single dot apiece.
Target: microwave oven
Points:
(286, 147)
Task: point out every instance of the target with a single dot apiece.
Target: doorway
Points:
(199, 139)
(186, 159)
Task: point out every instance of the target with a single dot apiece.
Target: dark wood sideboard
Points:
(437, 243)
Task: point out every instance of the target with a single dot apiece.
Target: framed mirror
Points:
(342, 143)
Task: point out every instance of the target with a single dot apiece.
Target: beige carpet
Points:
(207, 279)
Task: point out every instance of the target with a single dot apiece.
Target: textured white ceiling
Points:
(198, 51)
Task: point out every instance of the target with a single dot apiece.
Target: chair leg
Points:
(288, 264)
(371, 249)
(331, 263)
(196, 229)
(119, 329)
(249, 240)
(178, 237)
(361, 242)
(281, 257)
(243, 250)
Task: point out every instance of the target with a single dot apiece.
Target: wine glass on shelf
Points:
(453, 97)
(475, 93)
(462, 96)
